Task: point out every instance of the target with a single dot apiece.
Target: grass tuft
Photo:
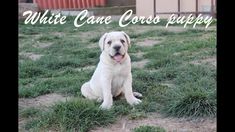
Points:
(29, 112)
(192, 104)
(77, 115)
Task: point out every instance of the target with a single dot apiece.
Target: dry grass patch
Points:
(42, 45)
(86, 68)
(92, 45)
(42, 101)
(59, 34)
(211, 61)
(31, 56)
(138, 54)
(139, 64)
(148, 42)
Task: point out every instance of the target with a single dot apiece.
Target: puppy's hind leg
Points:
(87, 92)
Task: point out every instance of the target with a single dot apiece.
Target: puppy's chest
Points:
(119, 76)
(117, 82)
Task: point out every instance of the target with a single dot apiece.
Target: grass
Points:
(149, 129)
(29, 112)
(75, 115)
(192, 104)
(170, 83)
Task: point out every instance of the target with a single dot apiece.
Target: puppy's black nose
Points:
(117, 47)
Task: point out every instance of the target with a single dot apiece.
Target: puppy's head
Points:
(115, 44)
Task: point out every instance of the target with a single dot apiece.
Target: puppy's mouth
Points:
(117, 57)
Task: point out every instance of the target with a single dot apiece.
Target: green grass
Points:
(191, 91)
(29, 112)
(68, 82)
(192, 104)
(149, 129)
(75, 115)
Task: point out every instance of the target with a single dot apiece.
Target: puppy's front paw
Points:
(134, 101)
(105, 106)
(137, 95)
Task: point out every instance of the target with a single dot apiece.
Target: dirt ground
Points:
(42, 101)
(155, 119)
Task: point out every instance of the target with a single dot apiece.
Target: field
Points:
(174, 68)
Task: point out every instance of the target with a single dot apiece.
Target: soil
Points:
(139, 64)
(148, 42)
(42, 45)
(42, 101)
(59, 34)
(138, 54)
(32, 56)
(155, 119)
(211, 61)
(86, 68)
(92, 45)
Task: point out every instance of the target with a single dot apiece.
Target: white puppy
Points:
(113, 73)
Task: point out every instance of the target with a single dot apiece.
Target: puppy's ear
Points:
(127, 38)
(102, 41)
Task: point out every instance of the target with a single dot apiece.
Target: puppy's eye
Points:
(122, 41)
(109, 42)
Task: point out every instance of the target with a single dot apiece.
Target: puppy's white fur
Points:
(111, 77)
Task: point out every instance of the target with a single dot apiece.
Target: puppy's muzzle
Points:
(117, 48)
(117, 57)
